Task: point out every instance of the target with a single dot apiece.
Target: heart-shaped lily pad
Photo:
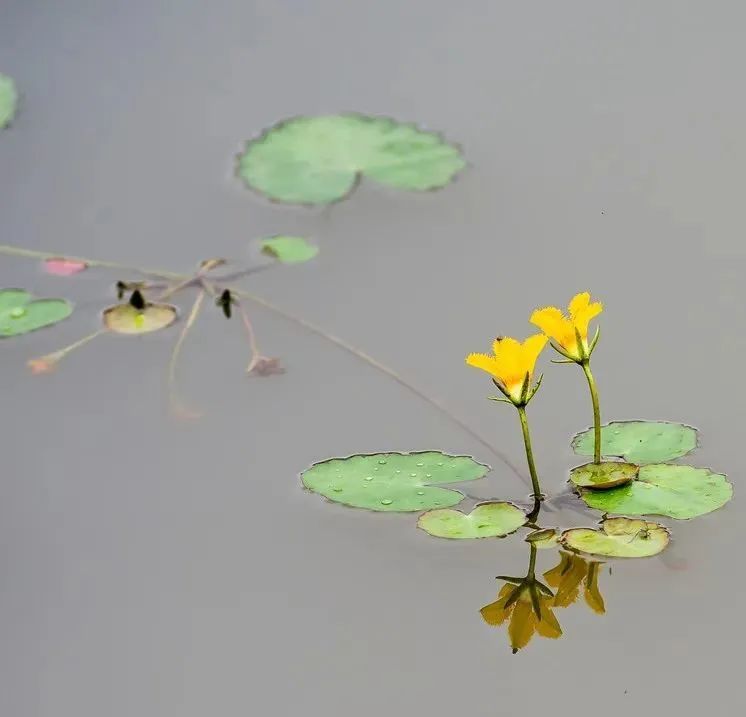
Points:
(487, 520)
(8, 100)
(126, 319)
(21, 313)
(640, 442)
(402, 482)
(318, 160)
(605, 475)
(618, 538)
(289, 250)
(680, 492)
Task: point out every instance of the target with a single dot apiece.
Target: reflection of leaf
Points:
(289, 250)
(59, 266)
(8, 100)
(618, 538)
(20, 313)
(640, 441)
(602, 476)
(126, 319)
(675, 491)
(393, 481)
(488, 520)
(317, 160)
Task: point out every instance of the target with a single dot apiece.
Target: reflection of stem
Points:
(529, 453)
(255, 355)
(177, 347)
(341, 343)
(586, 366)
(531, 562)
(434, 403)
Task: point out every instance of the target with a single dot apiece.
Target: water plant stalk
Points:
(586, 366)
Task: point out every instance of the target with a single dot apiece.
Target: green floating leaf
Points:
(602, 476)
(402, 482)
(640, 441)
(680, 492)
(318, 160)
(289, 250)
(618, 538)
(8, 100)
(21, 313)
(126, 319)
(487, 520)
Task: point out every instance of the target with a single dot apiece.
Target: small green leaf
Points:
(543, 538)
(640, 442)
(8, 100)
(21, 313)
(487, 520)
(403, 482)
(602, 476)
(289, 250)
(675, 491)
(618, 538)
(126, 319)
(318, 160)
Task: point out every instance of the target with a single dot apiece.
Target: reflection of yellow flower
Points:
(512, 364)
(524, 621)
(565, 331)
(566, 578)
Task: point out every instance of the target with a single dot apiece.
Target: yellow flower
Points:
(565, 331)
(524, 621)
(511, 365)
(567, 577)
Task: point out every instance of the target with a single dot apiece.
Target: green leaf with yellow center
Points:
(126, 319)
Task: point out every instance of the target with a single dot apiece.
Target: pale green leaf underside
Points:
(488, 520)
(675, 491)
(289, 250)
(317, 160)
(21, 313)
(640, 441)
(401, 482)
(8, 100)
(618, 538)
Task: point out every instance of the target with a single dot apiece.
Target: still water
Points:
(150, 566)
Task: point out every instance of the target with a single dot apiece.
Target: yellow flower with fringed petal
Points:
(512, 365)
(570, 333)
(567, 577)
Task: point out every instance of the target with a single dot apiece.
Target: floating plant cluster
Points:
(631, 475)
(319, 160)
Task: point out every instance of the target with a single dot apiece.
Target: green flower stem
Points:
(586, 366)
(529, 452)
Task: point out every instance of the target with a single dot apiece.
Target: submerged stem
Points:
(529, 453)
(177, 350)
(531, 562)
(586, 366)
(383, 368)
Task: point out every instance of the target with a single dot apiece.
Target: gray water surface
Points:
(150, 566)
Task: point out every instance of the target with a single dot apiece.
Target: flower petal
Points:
(532, 347)
(522, 625)
(554, 324)
(593, 596)
(578, 303)
(568, 589)
(548, 626)
(485, 362)
(495, 613)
